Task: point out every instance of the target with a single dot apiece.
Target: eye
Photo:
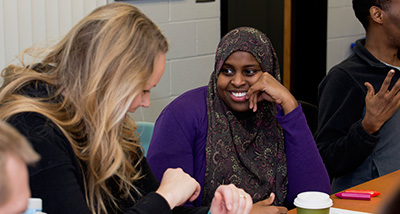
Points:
(227, 71)
(145, 91)
(250, 72)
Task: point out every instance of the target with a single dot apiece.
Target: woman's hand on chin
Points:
(268, 88)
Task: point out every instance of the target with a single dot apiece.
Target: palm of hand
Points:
(381, 106)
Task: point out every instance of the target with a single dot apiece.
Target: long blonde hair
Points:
(97, 69)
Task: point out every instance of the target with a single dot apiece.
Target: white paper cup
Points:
(34, 206)
(313, 202)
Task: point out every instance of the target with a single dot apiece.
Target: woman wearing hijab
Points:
(243, 128)
(73, 107)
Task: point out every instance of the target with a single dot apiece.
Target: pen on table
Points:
(355, 196)
(373, 193)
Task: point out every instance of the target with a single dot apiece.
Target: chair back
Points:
(145, 130)
(311, 113)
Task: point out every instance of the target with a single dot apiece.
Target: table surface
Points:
(386, 185)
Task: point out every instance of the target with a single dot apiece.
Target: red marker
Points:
(371, 192)
(355, 196)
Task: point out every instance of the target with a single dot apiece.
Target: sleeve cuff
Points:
(153, 203)
(359, 129)
(293, 115)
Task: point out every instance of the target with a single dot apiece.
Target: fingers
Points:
(230, 199)
(396, 87)
(196, 193)
(230, 196)
(270, 200)
(282, 209)
(370, 89)
(254, 100)
(386, 82)
(248, 205)
(242, 202)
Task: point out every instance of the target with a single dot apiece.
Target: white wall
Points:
(27, 22)
(343, 29)
(192, 29)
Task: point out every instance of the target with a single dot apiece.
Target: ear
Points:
(376, 14)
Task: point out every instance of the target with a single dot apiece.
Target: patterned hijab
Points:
(246, 149)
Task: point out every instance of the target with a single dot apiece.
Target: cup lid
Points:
(313, 200)
(35, 203)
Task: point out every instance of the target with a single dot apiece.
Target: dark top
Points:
(342, 141)
(57, 178)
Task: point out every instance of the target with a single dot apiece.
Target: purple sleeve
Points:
(179, 137)
(306, 171)
(167, 142)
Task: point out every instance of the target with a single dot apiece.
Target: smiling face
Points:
(143, 98)
(239, 71)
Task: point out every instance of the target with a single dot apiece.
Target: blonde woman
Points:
(73, 107)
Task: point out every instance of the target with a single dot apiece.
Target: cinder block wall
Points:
(193, 31)
(343, 29)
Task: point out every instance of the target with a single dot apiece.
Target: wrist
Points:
(167, 197)
(289, 105)
(369, 127)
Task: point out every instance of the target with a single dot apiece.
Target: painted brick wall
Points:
(193, 31)
(343, 29)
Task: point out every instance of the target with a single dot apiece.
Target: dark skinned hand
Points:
(379, 107)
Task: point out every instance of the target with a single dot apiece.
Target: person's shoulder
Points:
(336, 73)
(28, 121)
(40, 131)
(199, 93)
(194, 98)
(347, 65)
(188, 108)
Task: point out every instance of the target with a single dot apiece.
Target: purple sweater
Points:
(179, 140)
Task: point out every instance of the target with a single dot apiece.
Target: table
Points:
(386, 185)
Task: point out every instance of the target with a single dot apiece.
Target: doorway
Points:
(298, 32)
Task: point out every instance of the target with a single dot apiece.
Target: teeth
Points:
(239, 94)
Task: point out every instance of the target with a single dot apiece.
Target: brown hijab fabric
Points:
(246, 149)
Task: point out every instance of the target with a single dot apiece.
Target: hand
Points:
(177, 187)
(381, 106)
(264, 207)
(268, 88)
(228, 199)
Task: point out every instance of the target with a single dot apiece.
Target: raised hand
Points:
(177, 187)
(228, 199)
(264, 207)
(268, 88)
(381, 106)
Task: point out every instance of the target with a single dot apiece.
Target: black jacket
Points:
(341, 139)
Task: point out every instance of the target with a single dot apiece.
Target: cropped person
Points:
(391, 205)
(15, 154)
(72, 106)
(358, 123)
(243, 128)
